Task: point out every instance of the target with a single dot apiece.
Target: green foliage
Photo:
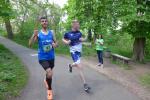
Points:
(27, 28)
(6, 9)
(139, 28)
(102, 15)
(112, 16)
(24, 40)
(119, 43)
(55, 17)
(13, 75)
(138, 23)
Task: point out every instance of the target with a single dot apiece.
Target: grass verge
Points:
(13, 75)
(145, 80)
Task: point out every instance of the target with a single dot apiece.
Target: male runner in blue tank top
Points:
(74, 40)
(46, 56)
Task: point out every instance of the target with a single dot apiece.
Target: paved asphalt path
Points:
(66, 86)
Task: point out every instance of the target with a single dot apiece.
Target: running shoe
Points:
(70, 68)
(98, 64)
(49, 95)
(86, 87)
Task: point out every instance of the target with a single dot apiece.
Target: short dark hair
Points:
(43, 17)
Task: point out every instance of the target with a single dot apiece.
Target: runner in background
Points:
(74, 39)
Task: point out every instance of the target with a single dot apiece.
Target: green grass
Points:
(145, 80)
(13, 75)
(147, 58)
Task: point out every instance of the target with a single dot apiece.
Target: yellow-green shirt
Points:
(99, 46)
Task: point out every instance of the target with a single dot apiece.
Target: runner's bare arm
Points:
(66, 41)
(54, 36)
(33, 38)
(55, 43)
(83, 39)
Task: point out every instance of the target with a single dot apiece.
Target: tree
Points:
(103, 15)
(139, 27)
(6, 13)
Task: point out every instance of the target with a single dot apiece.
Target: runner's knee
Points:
(48, 73)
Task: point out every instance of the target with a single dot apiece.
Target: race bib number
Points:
(47, 48)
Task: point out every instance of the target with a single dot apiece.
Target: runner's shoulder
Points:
(68, 32)
(52, 31)
(79, 32)
(39, 32)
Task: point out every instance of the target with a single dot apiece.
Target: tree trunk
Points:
(95, 36)
(8, 28)
(138, 49)
(89, 35)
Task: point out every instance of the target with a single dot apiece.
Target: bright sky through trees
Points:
(59, 2)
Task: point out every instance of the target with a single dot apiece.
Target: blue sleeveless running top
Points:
(45, 49)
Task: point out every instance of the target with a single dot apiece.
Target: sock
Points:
(49, 82)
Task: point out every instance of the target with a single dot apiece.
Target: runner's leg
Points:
(76, 58)
(49, 82)
(49, 78)
(48, 66)
(99, 58)
(80, 69)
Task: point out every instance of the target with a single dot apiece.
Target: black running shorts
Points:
(47, 64)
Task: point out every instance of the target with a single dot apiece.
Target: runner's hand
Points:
(68, 42)
(82, 39)
(54, 44)
(35, 33)
(33, 38)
